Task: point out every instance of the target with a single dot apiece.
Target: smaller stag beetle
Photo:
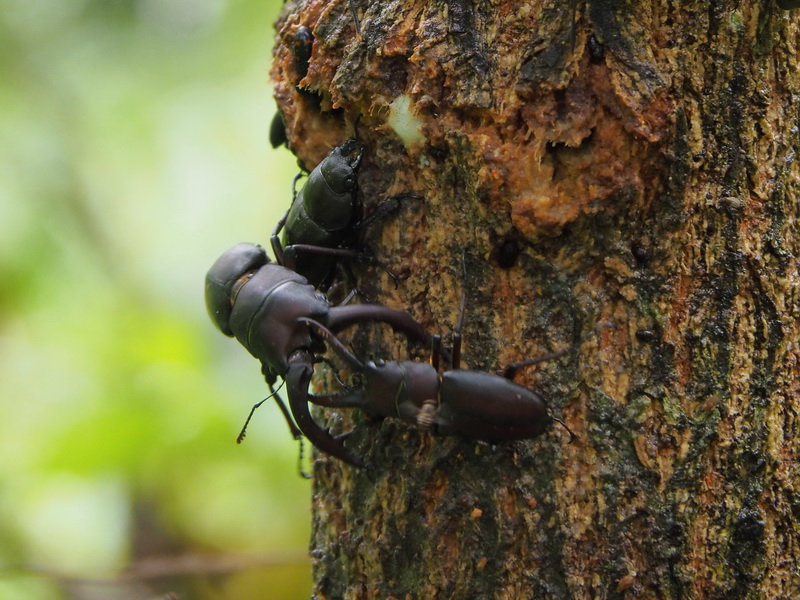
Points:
(322, 223)
(463, 402)
(261, 304)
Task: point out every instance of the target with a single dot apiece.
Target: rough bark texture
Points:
(622, 177)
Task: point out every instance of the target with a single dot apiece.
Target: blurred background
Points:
(133, 151)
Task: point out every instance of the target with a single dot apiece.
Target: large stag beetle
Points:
(263, 305)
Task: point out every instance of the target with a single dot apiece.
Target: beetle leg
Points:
(295, 179)
(511, 370)
(462, 308)
(368, 258)
(355, 18)
(455, 361)
(335, 372)
(436, 351)
(292, 251)
(384, 209)
(572, 435)
(275, 239)
(353, 293)
(297, 379)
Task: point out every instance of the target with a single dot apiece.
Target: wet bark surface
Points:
(621, 178)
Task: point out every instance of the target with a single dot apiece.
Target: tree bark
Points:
(620, 177)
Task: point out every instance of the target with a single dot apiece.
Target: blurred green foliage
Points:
(133, 152)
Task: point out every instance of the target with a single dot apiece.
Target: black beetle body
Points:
(321, 216)
(485, 406)
(646, 335)
(507, 253)
(323, 210)
(323, 222)
(264, 305)
(468, 403)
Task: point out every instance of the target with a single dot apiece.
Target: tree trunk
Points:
(620, 178)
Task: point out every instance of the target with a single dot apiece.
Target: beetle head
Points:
(339, 167)
(225, 278)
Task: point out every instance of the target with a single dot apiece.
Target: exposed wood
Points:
(641, 159)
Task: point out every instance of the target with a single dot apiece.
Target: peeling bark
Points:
(622, 177)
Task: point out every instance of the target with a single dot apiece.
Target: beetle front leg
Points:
(275, 239)
(292, 252)
(298, 378)
(511, 370)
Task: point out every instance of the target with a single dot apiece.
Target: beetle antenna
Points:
(355, 17)
(511, 370)
(297, 178)
(385, 208)
(572, 436)
(300, 470)
(243, 432)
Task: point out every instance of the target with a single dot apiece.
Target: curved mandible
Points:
(340, 349)
(340, 317)
(298, 377)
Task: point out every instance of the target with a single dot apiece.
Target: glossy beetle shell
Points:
(326, 203)
(223, 275)
(264, 316)
(484, 406)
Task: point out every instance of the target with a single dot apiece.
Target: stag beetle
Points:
(468, 403)
(262, 304)
(319, 227)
